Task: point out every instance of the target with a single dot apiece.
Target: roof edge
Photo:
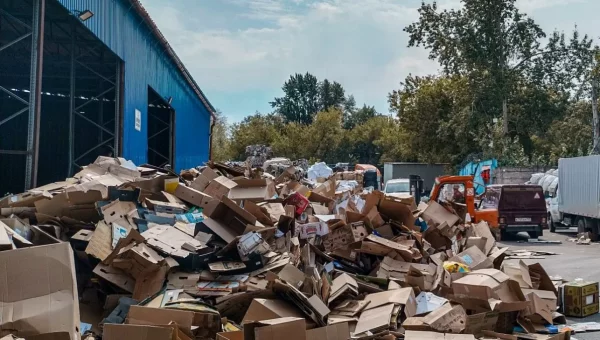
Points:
(161, 38)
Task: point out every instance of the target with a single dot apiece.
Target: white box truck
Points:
(578, 194)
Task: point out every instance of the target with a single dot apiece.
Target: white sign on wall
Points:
(138, 120)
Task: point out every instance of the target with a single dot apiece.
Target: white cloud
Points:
(359, 43)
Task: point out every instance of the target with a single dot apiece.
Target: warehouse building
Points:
(83, 78)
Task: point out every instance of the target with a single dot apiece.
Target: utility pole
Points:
(595, 122)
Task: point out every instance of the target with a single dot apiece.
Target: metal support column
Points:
(72, 103)
(118, 85)
(35, 97)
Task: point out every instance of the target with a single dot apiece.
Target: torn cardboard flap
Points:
(31, 278)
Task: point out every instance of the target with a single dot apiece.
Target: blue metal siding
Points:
(117, 24)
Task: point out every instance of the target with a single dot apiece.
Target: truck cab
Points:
(397, 187)
(459, 191)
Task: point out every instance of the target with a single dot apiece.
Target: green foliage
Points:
(304, 96)
(221, 144)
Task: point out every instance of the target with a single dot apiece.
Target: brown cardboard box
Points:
(339, 331)
(276, 329)
(226, 219)
(38, 294)
(253, 190)
(580, 298)
(490, 289)
(447, 319)
(220, 187)
(375, 319)
(477, 323)
(139, 315)
(474, 258)
(402, 296)
(264, 309)
(341, 237)
(424, 278)
(436, 215)
(192, 196)
(136, 332)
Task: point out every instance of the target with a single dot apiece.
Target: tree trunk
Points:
(504, 116)
(595, 122)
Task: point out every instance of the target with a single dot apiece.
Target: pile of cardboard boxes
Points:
(232, 253)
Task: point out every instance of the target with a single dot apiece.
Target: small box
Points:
(580, 298)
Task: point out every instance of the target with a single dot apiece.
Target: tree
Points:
(488, 41)
(301, 99)
(255, 129)
(221, 150)
(304, 96)
(360, 116)
(436, 115)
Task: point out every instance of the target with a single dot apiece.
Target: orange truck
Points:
(527, 212)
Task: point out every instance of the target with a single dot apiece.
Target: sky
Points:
(241, 52)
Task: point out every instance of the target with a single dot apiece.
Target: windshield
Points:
(491, 198)
(391, 188)
(522, 198)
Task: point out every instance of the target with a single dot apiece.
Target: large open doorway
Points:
(161, 130)
(79, 101)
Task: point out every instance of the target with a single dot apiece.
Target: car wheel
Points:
(533, 234)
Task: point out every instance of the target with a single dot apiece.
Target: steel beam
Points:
(10, 93)
(118, 86)
(72, 104)
(94, 97)
(92, 149)
(4, 121)
(37, 61)
(94, 123)
(25, 36)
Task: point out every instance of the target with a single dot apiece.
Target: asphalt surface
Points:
(575, 261)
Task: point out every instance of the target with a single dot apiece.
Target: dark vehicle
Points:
(520, 208)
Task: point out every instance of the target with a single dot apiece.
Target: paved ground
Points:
(575, 261)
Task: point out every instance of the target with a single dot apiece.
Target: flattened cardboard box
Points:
(39, 291)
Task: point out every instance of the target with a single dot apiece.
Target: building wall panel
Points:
(116, 23)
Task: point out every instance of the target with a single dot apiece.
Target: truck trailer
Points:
(578, 194)
(402, 170)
